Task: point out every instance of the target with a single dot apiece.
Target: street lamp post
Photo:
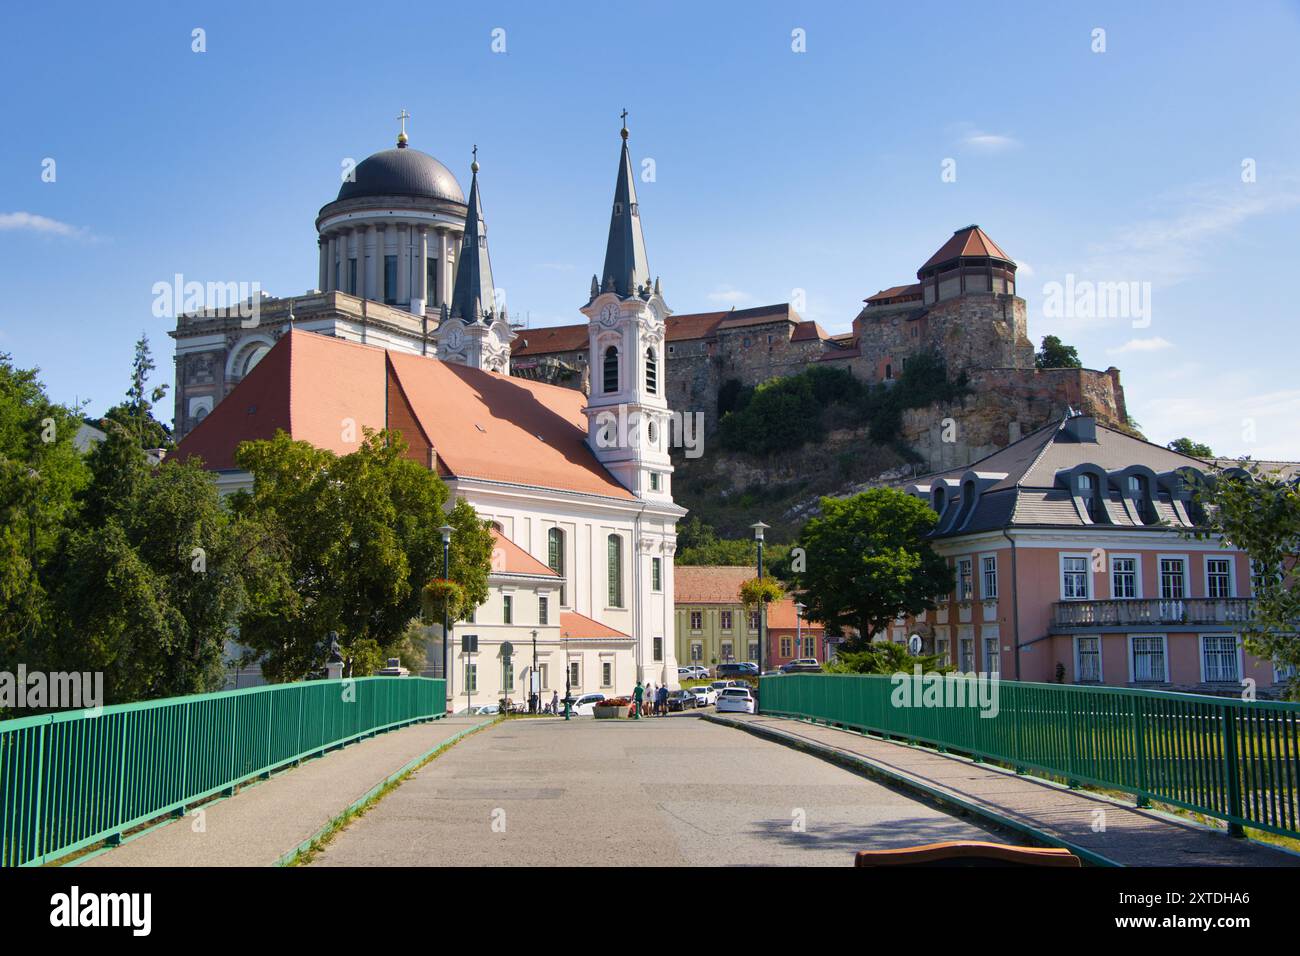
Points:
(759, 528)
(798, 628)
(446, 530)
(534, 695)
(568, 692)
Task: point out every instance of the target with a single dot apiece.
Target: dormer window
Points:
(1139, 489)
(1086, 485)
(967, 504)
(940, 499)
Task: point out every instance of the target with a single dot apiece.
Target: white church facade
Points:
(577, 488)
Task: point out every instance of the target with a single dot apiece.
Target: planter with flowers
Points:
(613, 708)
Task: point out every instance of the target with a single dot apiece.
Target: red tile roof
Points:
(480, 424)
(969, 241)
(580, 627)
(808, 329)
(308, 385)
(896, 292)
(509, 558)
(555, 338)
(781, 616)
(709, 584)
(500, 428)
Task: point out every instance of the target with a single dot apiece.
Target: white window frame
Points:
(1200, 650)
(1078, 660)
(690, 620)
(1087, 574)
(962, 593)
(1137, 575)
(606, 665)
(1232, 574)
(573, 662)
(993, 664)
(726, 621)
(1160, 575)
(1164, 643)
(984, 589)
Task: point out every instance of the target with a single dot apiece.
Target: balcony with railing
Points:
(1150, 612)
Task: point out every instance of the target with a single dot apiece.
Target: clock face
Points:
(609, 316)
(455, 338)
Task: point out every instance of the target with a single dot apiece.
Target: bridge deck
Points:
(1131, 837)
(264, 822)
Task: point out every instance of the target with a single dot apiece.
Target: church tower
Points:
(474, 329)
(627, 408)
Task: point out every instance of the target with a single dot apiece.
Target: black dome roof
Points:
(402, 171)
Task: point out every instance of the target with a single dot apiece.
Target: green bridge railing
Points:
(1235, 760)
(72, 779)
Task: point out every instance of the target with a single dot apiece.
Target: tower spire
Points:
(473, 297)
(626, 266)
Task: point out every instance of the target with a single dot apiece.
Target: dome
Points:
(402, 171)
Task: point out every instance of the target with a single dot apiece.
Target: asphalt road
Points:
(661, 792)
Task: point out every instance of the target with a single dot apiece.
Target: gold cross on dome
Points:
(403, 117)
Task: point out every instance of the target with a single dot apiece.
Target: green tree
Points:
(358, 539)
(1056, 354)
(41, 474)
(1185, 446)
(884, 657)
(868, 561)
(136, 413)
(1260, 514)
(148, 580)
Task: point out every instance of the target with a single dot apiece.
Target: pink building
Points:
(1072, 564)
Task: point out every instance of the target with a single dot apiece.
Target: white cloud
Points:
(1154, 344)
(31, 222)
(970, 136)
(728, 295)
(1024, 270)
(1171, 247)
(1227, 415)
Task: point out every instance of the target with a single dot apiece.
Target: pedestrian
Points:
(638, 694)
(555, 702)
(650, 698)
(663, 700)
(532, 702)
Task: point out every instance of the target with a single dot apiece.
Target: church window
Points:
(431, 281)
(659, 648)
(611, 369)
(615, 570)
(555, 556)
(656, 574)
(654, 479)
(543, 610)
(254, 356)
(507, 610)
(651, 373)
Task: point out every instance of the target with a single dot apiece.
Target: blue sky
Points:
(775, 170)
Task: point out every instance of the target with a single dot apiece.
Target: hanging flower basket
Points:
(758, 591)
(442, 596)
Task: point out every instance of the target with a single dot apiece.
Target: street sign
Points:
(469, 643)
(914, 643)
(507, 649)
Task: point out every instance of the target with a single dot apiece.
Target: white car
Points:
(736, 700)
(706, 694)
(693, 672)
(584, 706)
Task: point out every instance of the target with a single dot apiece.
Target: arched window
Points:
(611, 369)
(940, 498)
(1140, 490)
(651, 372)
(967, 504)
(615, 570)
(255, 355)
(555, 557)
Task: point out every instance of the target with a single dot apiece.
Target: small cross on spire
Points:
(402, 118)
(623, 117)
(474, 164)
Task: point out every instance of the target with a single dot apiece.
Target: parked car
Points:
(801, 665)
(693, 672)
(705, 694)
(737, 670)
(736, 700)
(719, 686)
(682, 700)
(585, 706)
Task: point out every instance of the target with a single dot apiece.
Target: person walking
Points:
(650, 698)
(638, 694)
(663, 700)
(555, 702)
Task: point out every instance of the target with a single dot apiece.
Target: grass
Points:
(304, 857)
